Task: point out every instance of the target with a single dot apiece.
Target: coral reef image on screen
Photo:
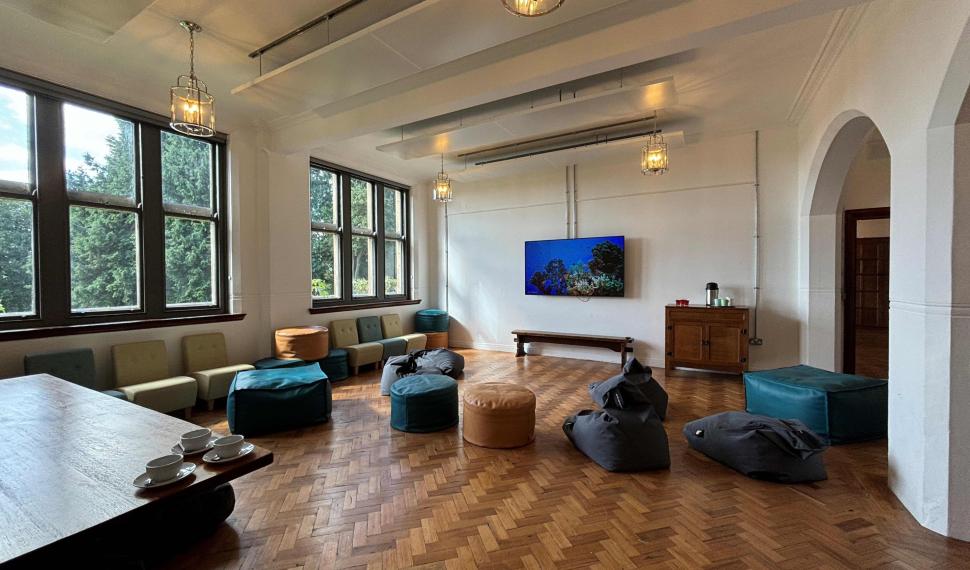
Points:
(581, 267)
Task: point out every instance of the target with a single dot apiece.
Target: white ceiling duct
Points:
(584, 103)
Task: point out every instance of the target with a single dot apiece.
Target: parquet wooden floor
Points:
(355, 494)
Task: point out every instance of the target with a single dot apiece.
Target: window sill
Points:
(360, 306)
(66, 330)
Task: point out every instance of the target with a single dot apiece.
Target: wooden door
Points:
(724, 343)
(688, 342)
(872, 282)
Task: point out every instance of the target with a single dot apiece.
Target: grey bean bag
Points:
(398, 367)
(620, 440)
(632, 389)
(784, 451)
(449, 362)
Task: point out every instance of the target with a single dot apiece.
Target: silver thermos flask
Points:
(711, 294)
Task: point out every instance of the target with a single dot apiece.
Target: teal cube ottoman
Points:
(335, 365)
(841, 408)
(277, 399)
(424, 403)
(431, 320)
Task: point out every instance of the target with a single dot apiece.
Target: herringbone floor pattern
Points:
(355, 494)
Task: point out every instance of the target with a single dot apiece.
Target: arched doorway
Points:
(845, 139)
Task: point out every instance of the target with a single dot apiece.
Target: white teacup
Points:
(228, 446)
(163, 468)
(196, 439)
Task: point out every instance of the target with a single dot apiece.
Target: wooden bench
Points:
(621, 344)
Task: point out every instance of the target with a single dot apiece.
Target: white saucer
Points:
(211, 457)
(143, 482)
(177, 448)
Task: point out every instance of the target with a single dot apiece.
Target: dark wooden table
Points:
(621, 344)
(68, 456)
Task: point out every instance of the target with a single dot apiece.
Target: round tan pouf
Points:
(499, 415)
(306, 343)
(436, 340)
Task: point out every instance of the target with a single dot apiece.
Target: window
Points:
(325, 234)
(358, 229)
(190, 221)
(105, 215)
(99, 170)
(17, 205)
(393, 242)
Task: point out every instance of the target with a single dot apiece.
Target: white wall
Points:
(912, 91)
(269, 263)
(685, 228)
(867, 183)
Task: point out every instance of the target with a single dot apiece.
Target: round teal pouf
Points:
(424, 403)
(431, 320)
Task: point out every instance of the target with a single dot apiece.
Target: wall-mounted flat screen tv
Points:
(580, 267)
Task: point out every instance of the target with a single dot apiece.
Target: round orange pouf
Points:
(436, 340)
(498, 415)
(306, 343)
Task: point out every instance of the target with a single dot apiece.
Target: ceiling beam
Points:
(623, 35)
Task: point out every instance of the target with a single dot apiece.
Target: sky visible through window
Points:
(14, 135)
(86, 132)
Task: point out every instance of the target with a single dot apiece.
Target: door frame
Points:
(849, 235)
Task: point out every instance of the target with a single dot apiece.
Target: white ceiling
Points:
(735, 66)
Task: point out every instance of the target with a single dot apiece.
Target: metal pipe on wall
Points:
(575, 206)
(756, 289)
(567, 203)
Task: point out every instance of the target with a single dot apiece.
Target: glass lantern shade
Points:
(192, 108)
(653, 157)
(531, 8)
(442, 191)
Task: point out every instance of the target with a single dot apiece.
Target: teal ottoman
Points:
(335, 365)
(431, 320)
(277, 399)
(424, 403)
(841, 408)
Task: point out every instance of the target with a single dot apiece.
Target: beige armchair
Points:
(205, 359)
(391, 326)
(343, 334)
(141, 373)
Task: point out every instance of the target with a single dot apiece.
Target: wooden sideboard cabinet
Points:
(707, 338)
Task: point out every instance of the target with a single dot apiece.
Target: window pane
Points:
(186, 171)
(104, 259)
(323, 196)
(361, 204)
(324, 265)
(14, 136)
(363, 251)
(393, 211)
(99, 152)
(16, 257)
(189, 263)
(393, 267)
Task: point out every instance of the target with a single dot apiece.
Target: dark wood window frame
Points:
(346, 233)
(53, 315)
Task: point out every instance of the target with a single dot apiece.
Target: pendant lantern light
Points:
(192, 108)
(531, 8)
(653, 156)
(441, 189)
